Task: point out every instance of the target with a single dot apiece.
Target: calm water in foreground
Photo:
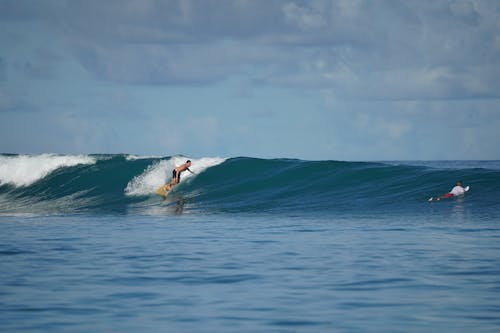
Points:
(435, 272)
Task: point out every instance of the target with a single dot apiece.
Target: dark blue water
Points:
(247, 245)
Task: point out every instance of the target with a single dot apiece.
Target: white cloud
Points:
(348, 9)
(13, 102)
(354, 47)
(305, 18)
(398, 69)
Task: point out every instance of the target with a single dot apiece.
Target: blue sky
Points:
(332, 80)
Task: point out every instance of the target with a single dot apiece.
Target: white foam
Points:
(160, 172)
(138, 157)
(23, 170)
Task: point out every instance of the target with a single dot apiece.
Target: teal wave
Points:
(250, 185)
(246, 184)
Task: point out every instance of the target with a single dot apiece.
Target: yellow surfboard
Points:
(163, 190)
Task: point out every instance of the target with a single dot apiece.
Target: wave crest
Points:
(24, 170)
(160, 172)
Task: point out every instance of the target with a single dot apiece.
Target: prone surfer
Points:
(455, 191)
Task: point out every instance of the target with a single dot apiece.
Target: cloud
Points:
(43, 64)
(431, 129)
(11, 102)
(173, 64)
(355, 49)
(306, 18)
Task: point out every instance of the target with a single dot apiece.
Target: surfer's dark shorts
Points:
(174, 175)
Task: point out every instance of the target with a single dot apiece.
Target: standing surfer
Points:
(176, 173)
(176, 178)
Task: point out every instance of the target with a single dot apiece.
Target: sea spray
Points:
(160, 173)
(24, 170)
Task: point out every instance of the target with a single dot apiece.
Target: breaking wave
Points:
(125, 184)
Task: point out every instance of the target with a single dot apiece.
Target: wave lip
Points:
(24, 170)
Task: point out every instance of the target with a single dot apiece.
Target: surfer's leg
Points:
(174, 178)
(446, 196)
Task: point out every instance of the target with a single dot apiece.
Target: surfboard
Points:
(164, 190)
(439, 198)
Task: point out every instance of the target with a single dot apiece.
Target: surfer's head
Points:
(188, 162)
(459, 183)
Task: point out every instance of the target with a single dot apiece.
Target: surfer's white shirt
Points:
(457, 190)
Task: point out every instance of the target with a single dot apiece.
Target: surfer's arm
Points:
(190, 171)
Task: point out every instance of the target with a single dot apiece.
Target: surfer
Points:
(176, 178)
(455, 192)
(176, 173)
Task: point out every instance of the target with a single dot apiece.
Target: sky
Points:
(317, 80)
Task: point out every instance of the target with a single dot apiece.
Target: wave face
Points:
(125, 184)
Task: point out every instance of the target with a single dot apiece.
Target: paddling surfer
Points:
(455, 192)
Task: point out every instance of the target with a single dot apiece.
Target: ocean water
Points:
(247, 245)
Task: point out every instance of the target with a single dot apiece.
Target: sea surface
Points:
(247, 245)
